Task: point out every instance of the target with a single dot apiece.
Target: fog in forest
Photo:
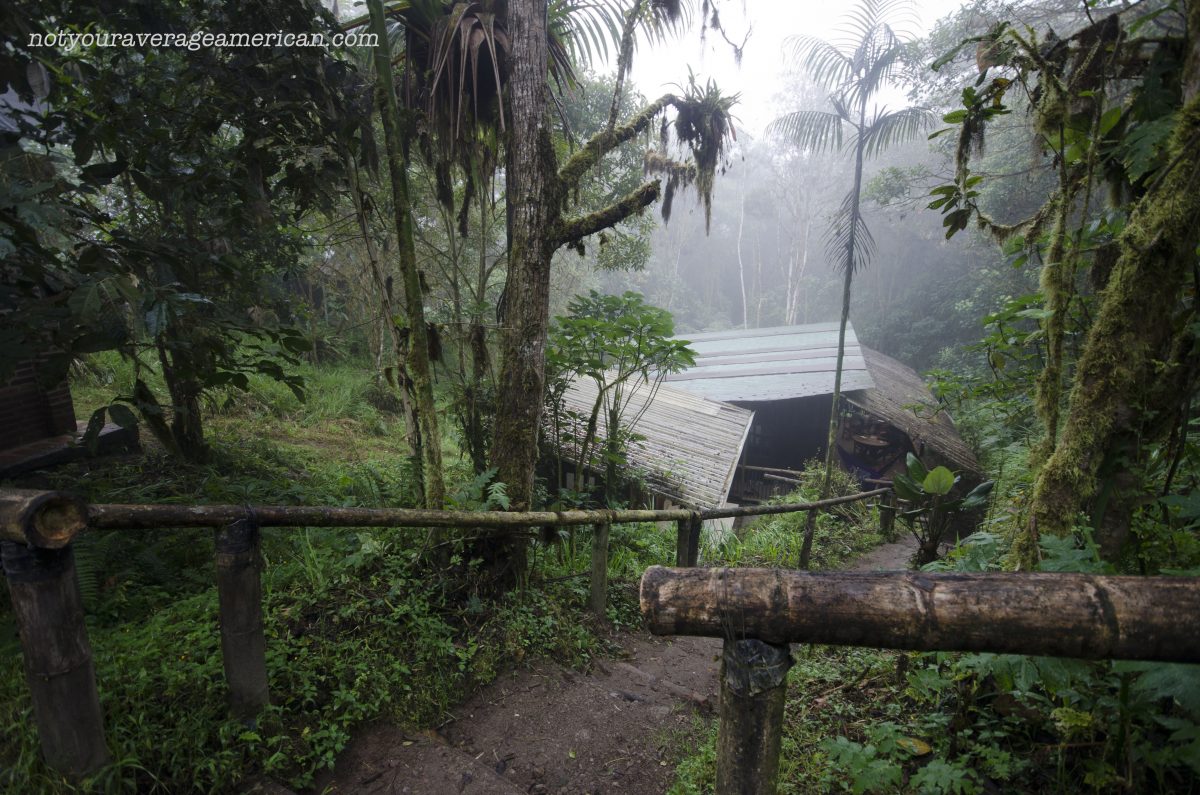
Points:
(766, 259)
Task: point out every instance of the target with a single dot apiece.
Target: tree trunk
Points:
(834, 408)
(388, 331)
(741, 265)
(1133, 329)
(414, 299)
(187, 426)
(530, 173)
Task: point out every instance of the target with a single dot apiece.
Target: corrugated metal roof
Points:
(901, 398)
(689, 448)
(771, 363)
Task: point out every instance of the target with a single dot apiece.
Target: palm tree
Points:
(852, 71)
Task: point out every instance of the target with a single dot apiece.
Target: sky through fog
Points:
(763, 71)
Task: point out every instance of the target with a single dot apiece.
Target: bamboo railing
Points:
(36, 529)
(758, 612)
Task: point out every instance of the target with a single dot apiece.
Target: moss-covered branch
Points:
(1120, 364)
(1057, 287)
(604, 142)
(572, 230)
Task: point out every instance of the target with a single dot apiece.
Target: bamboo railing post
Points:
(682, 543)
(753, 690)
(694, 525)
(45, 519)
(58, 657)
(599, 593)
(887, 515)
(239, 594)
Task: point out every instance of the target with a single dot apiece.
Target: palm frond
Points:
(875, 63)
(826, 64)
(810, 130)
(848, 241)
(585, 29)
(892, 127)
(666, 18)
(868, 15)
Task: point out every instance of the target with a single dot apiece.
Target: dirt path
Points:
(547, 729)
(886, 557)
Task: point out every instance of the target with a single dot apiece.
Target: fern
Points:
(93, 554)
(497, 496)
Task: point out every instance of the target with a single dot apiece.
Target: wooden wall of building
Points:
(30, 412)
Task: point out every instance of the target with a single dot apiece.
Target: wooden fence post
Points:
(45, 519)
(682, 543)
(687, 540)
(695, 523)
(599, 594)
(753, 690)
(239, 593)
(58, 658)
(887, 515)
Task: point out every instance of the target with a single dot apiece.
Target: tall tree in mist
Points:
(853, 71)
(539, 194)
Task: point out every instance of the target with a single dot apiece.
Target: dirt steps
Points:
(547, 729)
(386, 759)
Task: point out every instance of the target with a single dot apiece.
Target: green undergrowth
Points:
(369, 636)
(358, 628)
(874, 721)
(841, 533)
(346, 408)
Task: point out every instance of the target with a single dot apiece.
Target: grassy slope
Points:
(356, 630)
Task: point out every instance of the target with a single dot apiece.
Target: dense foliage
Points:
(304, 273)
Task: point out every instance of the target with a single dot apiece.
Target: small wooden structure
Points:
(33, 413)
(687, 446)
(37, 421)
(785, 375)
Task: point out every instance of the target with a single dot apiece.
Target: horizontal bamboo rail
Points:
(145, 517)
(758, 612)
(772, 470)
(1053, 614)
(36, 529)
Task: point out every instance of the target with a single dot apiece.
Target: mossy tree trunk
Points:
(536, 192)
(530, 171)
(414, 300)
(388, 331)
(1130, 358)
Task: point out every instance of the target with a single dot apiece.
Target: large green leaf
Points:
(978, 495)
(938, 481)
(906, 488)
(916, 470)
